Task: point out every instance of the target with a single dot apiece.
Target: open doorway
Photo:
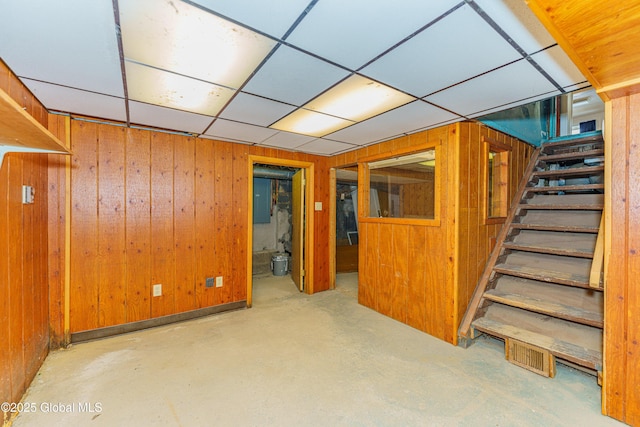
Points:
(345, 238)
(279, 221)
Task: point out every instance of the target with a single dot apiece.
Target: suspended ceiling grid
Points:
(455, 60)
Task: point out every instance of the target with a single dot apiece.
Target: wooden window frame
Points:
(364, 187)
(492, 146)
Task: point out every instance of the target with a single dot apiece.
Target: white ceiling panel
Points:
(517, 20)
(293, 77)
(413, 116)
(325, 147)
(558, 65)
(226, 129)
(515, 104)
(255, 110)
(507, 85)
(356, 31)
(68, 100)
(463, 54)
(287, 140)
(68, 42)
(167, 118)
(273, 17)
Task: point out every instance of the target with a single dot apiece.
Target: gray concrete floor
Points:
(294, 359)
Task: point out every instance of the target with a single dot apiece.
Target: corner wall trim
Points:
(152, 323)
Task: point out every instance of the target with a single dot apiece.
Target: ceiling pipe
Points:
(265, 172)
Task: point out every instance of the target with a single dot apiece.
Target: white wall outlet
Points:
(219, 282)
(157, 290)
(28, 194)
(318, 206)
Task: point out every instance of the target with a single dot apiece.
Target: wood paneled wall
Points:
(424, 275)
(24, 302)
(621, 390)
(475, 236)
(157, 208)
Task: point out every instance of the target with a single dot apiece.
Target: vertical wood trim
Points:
(453, 220)
(249, 216)
(67, 235)
(5, 290)
(332, 228)
(239, 226)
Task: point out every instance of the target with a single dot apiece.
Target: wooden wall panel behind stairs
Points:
(621, 394)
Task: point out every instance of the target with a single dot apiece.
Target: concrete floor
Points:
(294, 359)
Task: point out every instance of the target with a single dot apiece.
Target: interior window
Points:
(403, 187)
(497, 183)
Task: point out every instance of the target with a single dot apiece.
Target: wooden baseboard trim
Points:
(108, 331)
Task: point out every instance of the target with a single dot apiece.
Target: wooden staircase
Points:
(542, 285)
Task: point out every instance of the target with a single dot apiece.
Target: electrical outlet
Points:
(209, 282)
(219, 282)
(157, 290)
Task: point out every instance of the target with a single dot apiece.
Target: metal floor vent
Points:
(530, 357)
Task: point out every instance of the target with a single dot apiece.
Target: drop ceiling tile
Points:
(510, 84)
(547, 95)
(68, 42)
(293, 77)
(287, 140)
(446, 56)
(167, 118)
(558, 65)
(68, 100)
(519, 22)
(408, 118)
(325, 147)
(226, 129)
(354, 32)
(273, 17)
(255, 110)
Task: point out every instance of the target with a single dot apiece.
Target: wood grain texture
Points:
(240, 232)
(162, 234)
(600, 38)
(621, 397)
(84, 227)
(184, 224)
(111, 231)
(205, 220)
(224, 220)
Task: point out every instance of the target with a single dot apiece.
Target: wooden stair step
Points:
(597, 207)
(565, 188)
(567, 199)
(543, 275)
(571, 141)
(574, 304)
(588, 220)
(545, 227)
(548, 158)
(572, 172)
(549, 250)
(576, 343)
(569, 244)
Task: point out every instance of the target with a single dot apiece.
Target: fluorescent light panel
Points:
(310, 123)
(355, 99)
(178, 37)
(166, 89)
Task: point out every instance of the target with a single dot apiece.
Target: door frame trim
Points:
(309, 214)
